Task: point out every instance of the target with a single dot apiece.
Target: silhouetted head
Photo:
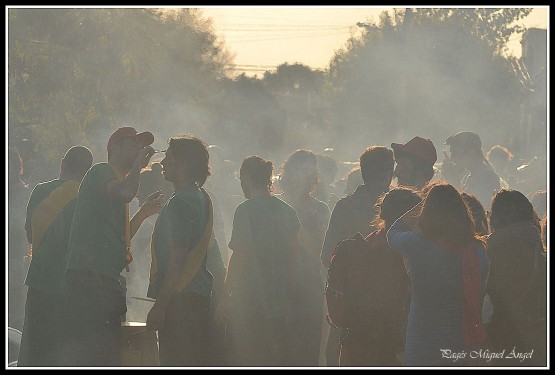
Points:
(299, 173)
(499, 157)
(424, 191)
(393, 204)
(510, 207)
(415, 162)
(376, 165)
(466, 149)
(76, 162)
(445, 217)
(255, 174)
(186, 160)
(125, 144)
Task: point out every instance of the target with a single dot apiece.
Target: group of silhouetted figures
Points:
(439, 264)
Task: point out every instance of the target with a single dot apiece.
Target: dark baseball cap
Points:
(145, 138)
(418, 146)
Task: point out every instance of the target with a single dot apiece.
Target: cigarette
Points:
(158, 151)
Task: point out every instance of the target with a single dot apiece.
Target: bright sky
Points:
(263, 37)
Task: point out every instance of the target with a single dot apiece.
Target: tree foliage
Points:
(427, 72)
(74, 75)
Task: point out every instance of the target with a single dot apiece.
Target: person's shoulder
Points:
(45, 185)
(281, 203)
(98, 173)
(244, 205)
(187, 196)
(43, 189)
(101, 167)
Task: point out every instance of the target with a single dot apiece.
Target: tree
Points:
(429, 75)
(74, 75)
(298, 89)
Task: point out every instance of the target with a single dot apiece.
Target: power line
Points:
(304, 24)
(279, 37)
(290, 29)
(252, 70)
(253, 66)
(282, 19)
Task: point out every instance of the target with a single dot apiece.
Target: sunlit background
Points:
(264, 37)
(266, 81)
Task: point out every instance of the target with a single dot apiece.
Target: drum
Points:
(14, 343)
(139, 347)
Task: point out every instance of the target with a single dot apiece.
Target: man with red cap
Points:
(415, 162)
(99, 248)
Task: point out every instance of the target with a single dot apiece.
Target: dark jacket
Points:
(517, 286)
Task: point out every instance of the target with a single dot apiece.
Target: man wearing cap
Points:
(479, 177)
(415, 162)
(98, 250)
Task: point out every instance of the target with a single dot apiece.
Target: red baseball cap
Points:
(422, 148)
(145, 138)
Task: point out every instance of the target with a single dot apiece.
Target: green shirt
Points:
(96, 240)
(47, 269)
(268, 227)
(181, 223)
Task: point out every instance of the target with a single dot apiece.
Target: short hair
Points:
(498, 154)
(393, 204)
(193, 153)
(77, 160)
(258, 169)
(376, 162)
(301, 165)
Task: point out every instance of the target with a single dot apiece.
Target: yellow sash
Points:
(195, 257)
(49, 208)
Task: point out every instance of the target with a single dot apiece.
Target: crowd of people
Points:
(451, 267)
